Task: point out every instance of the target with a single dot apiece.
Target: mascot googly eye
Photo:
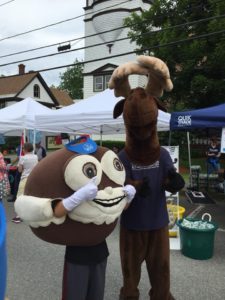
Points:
(61, 174)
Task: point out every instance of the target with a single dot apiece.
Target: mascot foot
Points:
(128, 298)
(122, 297)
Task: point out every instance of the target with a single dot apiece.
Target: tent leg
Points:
(34, 139)
(170, 136)
(101, 135)
(189, 157)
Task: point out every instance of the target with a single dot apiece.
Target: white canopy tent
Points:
(16, 118)
(93, 115)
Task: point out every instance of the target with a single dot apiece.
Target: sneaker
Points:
(16, 220)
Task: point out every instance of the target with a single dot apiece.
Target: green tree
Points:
(72, 80)
(193, 48)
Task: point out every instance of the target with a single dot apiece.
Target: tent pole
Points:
(170, 136)
(189, 157)
(101, 135)
(34, 139)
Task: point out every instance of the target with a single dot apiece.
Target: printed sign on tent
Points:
(222, 150)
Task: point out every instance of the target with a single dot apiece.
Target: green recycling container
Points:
(197, 243)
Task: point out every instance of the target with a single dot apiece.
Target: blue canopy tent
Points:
(210, 117)
(205, 118)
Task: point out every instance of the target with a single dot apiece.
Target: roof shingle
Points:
(15, 84)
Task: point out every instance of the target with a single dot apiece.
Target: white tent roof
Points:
(93, 115)
(17, 117)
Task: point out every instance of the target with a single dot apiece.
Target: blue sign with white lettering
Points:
(210, 117)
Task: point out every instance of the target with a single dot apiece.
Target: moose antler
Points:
(157, 71)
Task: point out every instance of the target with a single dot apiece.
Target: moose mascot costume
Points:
(149, 168)
(73, 197)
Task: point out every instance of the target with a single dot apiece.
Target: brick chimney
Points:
(21, 69)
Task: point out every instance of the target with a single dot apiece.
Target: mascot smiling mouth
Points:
(109, 202)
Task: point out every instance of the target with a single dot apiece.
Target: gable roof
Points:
(62, 97)
(16, 83)
(103, 69)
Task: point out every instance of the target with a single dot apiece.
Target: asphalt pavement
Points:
(35, 267)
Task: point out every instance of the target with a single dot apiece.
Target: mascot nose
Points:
(108, 189)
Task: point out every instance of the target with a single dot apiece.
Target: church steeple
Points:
(106, 37)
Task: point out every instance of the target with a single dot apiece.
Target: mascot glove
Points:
(86, 193)
(175, 182)
(33, 209)
(130, 192)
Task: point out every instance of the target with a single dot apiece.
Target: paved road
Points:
(35, 267)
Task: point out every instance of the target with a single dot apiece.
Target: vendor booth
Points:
(14, 119)
(93, 115)
(205, 118)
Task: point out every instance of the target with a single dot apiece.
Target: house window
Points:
(2, 104)
(36, 91)
(107, 78)
(98, 83)
(101, 82)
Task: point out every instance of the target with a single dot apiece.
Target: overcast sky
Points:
(19, 16)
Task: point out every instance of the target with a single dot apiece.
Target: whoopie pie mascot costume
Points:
(74, 197)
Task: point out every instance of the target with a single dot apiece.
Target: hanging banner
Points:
(222, 150)
(38, 136)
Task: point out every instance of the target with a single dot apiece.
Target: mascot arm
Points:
(141, 186)
(36, 211)
(31, 208)
(174, 182)
(85, 193)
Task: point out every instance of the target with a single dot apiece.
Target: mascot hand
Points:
(145, 188)
(174, 182)
(130, 192)
(33, 209)
(87, 192)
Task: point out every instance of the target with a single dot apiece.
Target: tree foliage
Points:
(189, 36)
(72, 81)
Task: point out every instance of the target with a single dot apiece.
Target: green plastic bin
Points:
(197, 243)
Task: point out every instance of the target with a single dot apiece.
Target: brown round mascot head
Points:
(58, 176)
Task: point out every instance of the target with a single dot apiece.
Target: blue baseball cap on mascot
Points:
(82, 145)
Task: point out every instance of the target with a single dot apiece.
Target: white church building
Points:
(105, 46)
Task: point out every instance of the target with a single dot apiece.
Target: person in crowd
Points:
(40, 151)
(213, 154)
(115, 149)
(25, 166)
(17, 176)
(4, 181)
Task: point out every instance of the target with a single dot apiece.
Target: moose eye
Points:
(89, 170)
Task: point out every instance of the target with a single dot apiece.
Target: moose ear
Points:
(160, 105)
(118, 109)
